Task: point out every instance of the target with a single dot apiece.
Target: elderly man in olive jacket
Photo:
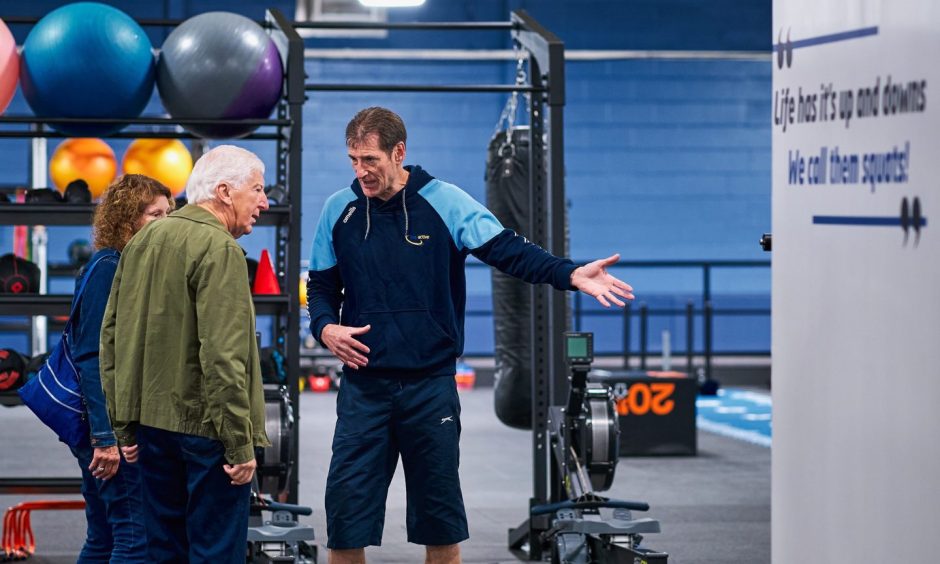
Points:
(179, 363)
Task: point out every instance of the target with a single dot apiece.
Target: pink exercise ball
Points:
(9, 66)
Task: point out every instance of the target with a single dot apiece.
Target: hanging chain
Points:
(507, 151)
(508, 115)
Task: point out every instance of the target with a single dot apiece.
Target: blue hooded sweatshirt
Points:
(398, 266)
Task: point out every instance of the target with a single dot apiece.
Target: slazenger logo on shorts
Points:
(446, 419)
(349, 214)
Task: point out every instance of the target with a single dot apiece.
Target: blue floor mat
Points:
(739, 414)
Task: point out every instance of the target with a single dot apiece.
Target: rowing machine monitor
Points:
(579, 349)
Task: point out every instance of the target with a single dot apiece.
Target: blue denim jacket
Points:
(85, 336)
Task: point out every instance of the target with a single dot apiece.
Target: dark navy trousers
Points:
(378, 420)
(194, 514)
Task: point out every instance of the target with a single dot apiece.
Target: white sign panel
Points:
(856, 281)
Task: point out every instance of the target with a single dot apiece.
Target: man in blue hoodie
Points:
(390, 249)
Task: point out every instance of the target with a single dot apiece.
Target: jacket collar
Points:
(104, 252)
(198, 214)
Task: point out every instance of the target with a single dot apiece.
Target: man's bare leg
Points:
(443, 554)
(348, 556)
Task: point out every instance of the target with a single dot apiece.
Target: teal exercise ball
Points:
(87, 60)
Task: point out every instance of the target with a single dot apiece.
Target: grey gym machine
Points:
(584, 438)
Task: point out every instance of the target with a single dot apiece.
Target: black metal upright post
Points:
(547, 229)
(708, 320)
(288, 232)
(689, 335)
(626, 335)
(577, 311)
(644, 334)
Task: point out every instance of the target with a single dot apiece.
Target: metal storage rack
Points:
(285, 130)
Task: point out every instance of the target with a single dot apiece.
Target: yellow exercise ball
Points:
(166, 160)
(90, 159)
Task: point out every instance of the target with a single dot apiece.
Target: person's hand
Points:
(594, 280)
(130, 453)
(343, 344)
(104, 462)
(241, 473)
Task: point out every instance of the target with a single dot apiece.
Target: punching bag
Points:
(507, 196)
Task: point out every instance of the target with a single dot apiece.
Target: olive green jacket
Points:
(178, 347)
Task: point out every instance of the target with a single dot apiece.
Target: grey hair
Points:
(224, 164)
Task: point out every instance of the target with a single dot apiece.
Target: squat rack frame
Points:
(549, 314)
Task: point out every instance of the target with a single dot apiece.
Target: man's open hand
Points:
(343, 344)
(594, 280)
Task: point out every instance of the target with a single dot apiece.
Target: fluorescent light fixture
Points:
(391, 3)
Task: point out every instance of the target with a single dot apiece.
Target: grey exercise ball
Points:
(219, 65)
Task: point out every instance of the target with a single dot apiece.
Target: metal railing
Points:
(699, 311)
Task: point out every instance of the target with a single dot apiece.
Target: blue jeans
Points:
(194, 513)
(115, 514)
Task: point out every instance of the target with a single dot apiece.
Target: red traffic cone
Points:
(265, 280)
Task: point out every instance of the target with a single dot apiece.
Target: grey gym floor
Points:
(714, 508)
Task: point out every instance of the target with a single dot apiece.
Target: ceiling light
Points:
(391, 3)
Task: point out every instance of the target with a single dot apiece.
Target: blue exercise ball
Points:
(87, 60)
(219, 65)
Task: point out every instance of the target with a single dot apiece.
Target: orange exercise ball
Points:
(166, 160)
(88, 158)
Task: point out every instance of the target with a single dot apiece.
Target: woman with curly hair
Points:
(113, 498)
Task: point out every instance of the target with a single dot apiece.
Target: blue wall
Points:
(665, 159)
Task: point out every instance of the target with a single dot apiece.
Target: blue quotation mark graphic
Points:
(911, 218)
(784, 49)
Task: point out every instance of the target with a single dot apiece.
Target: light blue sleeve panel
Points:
(323, 256)
(469, 222)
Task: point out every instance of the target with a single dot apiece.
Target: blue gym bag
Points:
(54, 394)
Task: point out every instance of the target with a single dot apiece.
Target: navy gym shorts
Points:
(379, 419)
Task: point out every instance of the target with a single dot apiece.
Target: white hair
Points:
(223, 164)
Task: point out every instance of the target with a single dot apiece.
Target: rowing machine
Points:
(282, 538)
(585, 437)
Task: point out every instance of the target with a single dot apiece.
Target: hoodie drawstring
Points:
(404, 205)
